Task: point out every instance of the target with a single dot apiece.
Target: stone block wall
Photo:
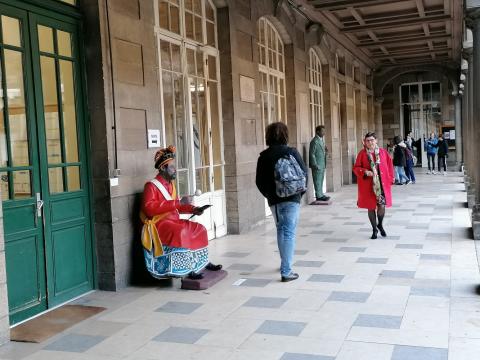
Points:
(123, 98)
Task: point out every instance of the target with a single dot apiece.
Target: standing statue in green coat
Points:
(318, 162)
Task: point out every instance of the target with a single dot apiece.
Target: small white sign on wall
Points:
(247, 89)
(153, 138)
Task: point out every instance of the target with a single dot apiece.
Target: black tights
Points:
(373, 215)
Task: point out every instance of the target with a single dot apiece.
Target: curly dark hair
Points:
(370, 134)
(276, 134)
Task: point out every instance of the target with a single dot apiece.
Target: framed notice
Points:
(247, 89)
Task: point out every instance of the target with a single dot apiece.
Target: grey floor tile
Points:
(301, 252)
(365, 230)
(348, 296)
(182, 335)
(308, 263)
(434, 257)
(243, 267)
(438, 236)
(378, 321)
(74, 343)
(409, 246)
(390, 237)
(354, 223)
(417, 226)
(321, 232)
(266, 302)
(256, 282)
(430, 291)
(326, 278)
(335, 240)
(178, 307)
(352, 249)
(341, 217)
(372, 260)
(285, 328)
(398, 274)
(401, 352)
(235, 254)
(298, 356)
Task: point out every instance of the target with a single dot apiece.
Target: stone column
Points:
(458, 132)
(378, 120)
(474, 23)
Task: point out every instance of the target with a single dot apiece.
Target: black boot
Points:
(195, 276)
(374, 234)
(382, 230)
(213, 267)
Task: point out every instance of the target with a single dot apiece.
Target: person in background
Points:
(285, 210)
(442, 154)
(410, 163)
(374, 170)
(431, 150)
(400, 161)
(409, 140)
(318, 162)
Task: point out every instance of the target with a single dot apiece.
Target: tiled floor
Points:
(409, 296)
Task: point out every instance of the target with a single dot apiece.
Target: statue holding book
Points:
(173, 247)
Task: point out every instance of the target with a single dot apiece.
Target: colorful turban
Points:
(164, 156)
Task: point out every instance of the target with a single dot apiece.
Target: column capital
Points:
(379, 100)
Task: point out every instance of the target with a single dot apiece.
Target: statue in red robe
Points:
(173, 247)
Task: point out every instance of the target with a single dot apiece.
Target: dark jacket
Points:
(265, 172)
(399, 157)
(442, 148)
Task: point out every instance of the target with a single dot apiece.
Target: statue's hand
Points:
(186, 200)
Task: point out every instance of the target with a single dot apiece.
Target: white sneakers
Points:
(429, 172)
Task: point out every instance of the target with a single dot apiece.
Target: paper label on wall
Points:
(247, 89)
(153, 138)
(452, 134)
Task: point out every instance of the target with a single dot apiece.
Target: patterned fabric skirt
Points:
(175, 262)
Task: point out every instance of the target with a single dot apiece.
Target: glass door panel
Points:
(19, 172)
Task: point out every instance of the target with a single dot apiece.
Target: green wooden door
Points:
(43, 171)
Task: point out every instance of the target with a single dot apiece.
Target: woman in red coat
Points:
(374, 171)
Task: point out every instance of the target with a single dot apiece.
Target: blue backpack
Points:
(289, 177)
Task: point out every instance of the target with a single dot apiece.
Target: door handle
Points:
(39, 205)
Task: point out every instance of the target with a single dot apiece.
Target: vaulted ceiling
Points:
(398, 32)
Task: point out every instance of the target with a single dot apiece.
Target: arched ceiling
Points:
(397, 32)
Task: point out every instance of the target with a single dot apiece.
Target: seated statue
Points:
(172, 247)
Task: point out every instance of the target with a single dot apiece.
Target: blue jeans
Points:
(286, 215)
(409, 170)
(400, 174)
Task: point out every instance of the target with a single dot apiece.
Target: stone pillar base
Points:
(476, 221)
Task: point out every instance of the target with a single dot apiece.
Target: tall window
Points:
(421, 107)
(186, 32)
(272, 72)
(315, 87)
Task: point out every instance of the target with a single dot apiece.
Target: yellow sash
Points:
(150, 236)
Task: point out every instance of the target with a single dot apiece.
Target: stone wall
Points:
(123, 97)
(124, 101)
(243, 128)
